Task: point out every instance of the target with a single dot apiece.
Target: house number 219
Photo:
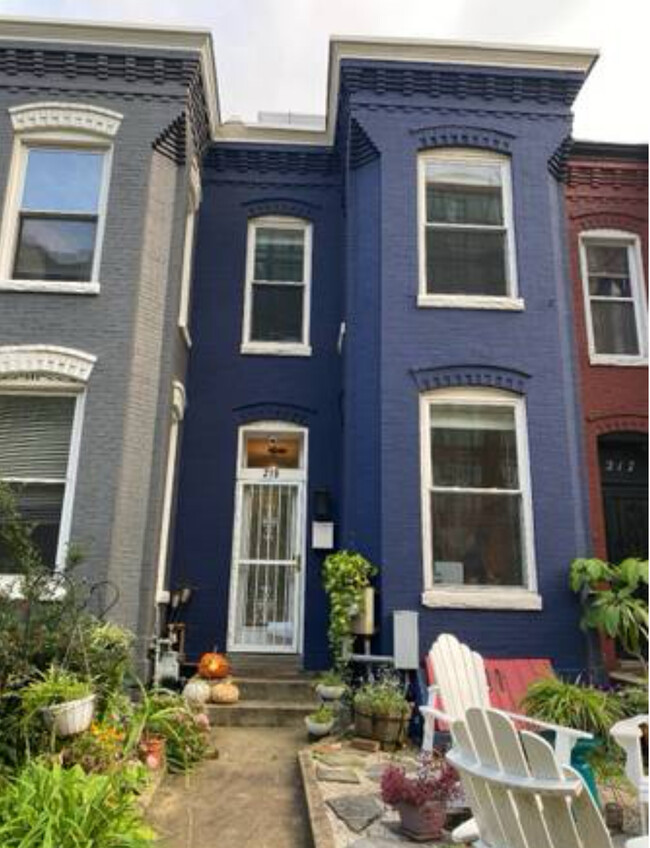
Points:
(271, 473)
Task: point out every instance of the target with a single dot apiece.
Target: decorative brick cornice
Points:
(595, 175)
(280, 206)
(172, 141)
(621, 422)
(362, 148)
(34, 362)
(460, 83)
(78, 117)
(445, 377)
(557, 164)
(451, 135)
(266, 411)
(262, 160)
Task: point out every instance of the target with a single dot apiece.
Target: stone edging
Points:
(321, 830)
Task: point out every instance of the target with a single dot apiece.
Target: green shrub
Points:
(47, 806)
(383, 697)
(634, 700)
(572, 705)
(345, 575)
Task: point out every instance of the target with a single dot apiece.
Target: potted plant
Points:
(381, 711)
(66, 702)
(421, 800)
(321, 722)
(331, 686)
(611, 601)
(346, 574)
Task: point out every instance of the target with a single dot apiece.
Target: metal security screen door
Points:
(268, 540)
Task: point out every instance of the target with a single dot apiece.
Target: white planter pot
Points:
(317, 729)
(330, 693)
(72, 717)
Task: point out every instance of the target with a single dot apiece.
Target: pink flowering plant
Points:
(435, 780)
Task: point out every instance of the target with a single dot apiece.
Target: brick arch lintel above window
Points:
(266, 411)
(621, 422)
(45, 362)
(69, 117)
(609, 221)
(278, 206)
(491, 376)
(484, 138)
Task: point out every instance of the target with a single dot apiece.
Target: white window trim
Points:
(193, 204)
(472, 596)
(275, 348)
(633, 244)
(177, 415)
(510, 302)
(62, 126)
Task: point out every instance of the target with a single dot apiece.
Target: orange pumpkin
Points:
(213, 666)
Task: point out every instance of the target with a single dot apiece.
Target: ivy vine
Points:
(345, 575)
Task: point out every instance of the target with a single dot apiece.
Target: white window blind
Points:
(35, 436)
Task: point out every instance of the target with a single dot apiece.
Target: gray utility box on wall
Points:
(406, 640)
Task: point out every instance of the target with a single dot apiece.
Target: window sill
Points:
(463, 301)
(485, 597)
(49, 286)
(272, 349)
(625, 361)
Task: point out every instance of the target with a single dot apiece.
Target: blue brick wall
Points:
(362, 408)
(227, 389)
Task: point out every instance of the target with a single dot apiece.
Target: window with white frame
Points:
(614, 297)
(467, 253)
(35, 439)
(278, 283)
(477, 515)
(55, 205)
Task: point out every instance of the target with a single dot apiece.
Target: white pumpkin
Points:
(197, 692)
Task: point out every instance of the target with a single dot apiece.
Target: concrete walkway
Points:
(251, 796)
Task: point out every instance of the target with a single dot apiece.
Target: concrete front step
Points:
(293, 690)
(270, 666)
(259, 714)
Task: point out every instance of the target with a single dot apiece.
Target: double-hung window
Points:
(614, 298)
(278, 282)
(55, 206)
(35, 444)
(477, 516)
(467, 254)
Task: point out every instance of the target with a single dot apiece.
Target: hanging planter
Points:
(71, 717)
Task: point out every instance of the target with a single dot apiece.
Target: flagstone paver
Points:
(251, 796)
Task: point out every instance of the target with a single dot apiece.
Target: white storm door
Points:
(266, 601)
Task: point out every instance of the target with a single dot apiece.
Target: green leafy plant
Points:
(572, 705)
(48, 806)
(166, 715)
(634, 700)
(345, 575)
(332, 678)
(611, 599)
(384, 697)
(323, 715)
(55, 686)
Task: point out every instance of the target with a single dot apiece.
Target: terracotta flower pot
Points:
(152, 752)
(423, 822)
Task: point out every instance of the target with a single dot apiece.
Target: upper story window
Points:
(53, 221)
(476, 501)
(278, 283)
(467, 255)
(615, 300)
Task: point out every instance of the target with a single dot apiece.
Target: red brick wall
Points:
(606, 193)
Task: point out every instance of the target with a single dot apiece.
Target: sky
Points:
(271, 55)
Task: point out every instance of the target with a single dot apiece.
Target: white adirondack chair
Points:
(520, 795)
(461, 683)
(628, 734)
